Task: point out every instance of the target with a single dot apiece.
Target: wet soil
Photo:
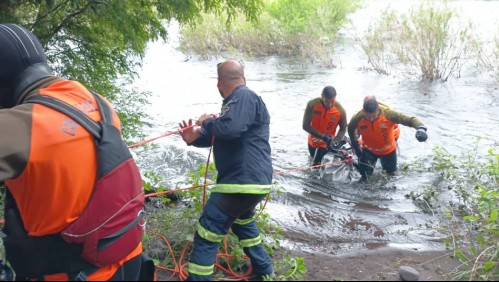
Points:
(377, 265)
(374, 265)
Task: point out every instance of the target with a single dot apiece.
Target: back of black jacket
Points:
(241, 142)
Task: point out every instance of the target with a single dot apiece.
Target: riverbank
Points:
(373, 265)
(380, 264)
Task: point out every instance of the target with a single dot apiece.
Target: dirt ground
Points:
(377, 265)
(374, 265)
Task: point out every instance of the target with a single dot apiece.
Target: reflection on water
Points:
(320, 215)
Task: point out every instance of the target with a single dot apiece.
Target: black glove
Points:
(327, 138)
(336, 143)
(421, 133)
(356, 148)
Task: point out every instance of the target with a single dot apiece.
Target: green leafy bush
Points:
(298, 28)
(471, 217)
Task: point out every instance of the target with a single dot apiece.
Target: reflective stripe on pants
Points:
(213, 223)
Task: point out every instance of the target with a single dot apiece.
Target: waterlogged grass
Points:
(430, 41)
(489, 56)
(303, 29)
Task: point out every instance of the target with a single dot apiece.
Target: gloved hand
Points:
(327, 138)
(421, 133)
(335, 145)
(357, 149)
(331, 148)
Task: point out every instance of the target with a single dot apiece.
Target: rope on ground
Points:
(179, 267)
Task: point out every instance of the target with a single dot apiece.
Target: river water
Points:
(319, 215)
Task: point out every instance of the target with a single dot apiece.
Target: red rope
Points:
(161, 136)
(229, 271)
(176, 190)
(206, 171)
(309, 167)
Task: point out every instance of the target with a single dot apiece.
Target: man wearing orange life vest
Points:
(376, 125)
(49, 165)
(321, 118)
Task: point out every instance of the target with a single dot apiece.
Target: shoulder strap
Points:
(91, 126)
(104, 108)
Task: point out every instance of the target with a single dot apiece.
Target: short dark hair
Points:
(370, 104)
(329, 92)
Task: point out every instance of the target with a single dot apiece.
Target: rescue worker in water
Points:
(376, 126)
(322, 116)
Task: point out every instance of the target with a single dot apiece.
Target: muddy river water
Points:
(318, 214)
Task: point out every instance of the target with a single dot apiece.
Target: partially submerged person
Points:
(377, 126)
(322, 117)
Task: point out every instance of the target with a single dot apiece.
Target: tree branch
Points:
(68, 17)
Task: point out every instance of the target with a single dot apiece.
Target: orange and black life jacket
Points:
(378, 136)
(325, 121)
(379, 142)
(396, 127)
(94, 228)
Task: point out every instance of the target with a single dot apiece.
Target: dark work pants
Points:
(317, 154)
(368, 161)
(221, 212)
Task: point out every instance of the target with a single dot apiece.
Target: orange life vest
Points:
(378, 136)
(59, 177)
(325, 122)
(396, 127)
